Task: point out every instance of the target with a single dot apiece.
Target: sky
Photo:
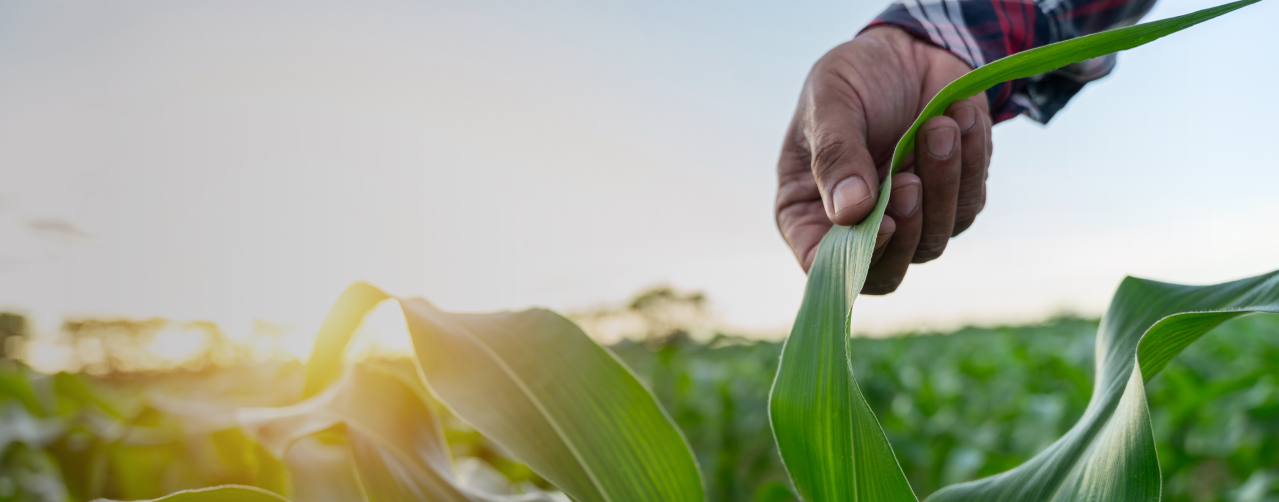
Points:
(241, 160)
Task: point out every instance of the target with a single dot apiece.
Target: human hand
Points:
(857, 102)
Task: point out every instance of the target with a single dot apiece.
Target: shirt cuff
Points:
(982, 31)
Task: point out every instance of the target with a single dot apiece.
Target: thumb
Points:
(842, 166)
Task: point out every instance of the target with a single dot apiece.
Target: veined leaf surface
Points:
(397, 445)
(533, 382)
(536, 384)
(830, 441)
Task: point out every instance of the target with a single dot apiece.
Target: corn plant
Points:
(534, 383)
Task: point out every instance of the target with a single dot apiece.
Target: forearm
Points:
(981, 31)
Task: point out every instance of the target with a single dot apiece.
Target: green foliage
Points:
(956, 407)
(589, 427)
(977, 402)
(1110, 453)
(535, 384)
(718, 394)
(72, 438)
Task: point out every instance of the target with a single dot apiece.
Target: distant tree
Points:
(655, 315)
(13, 330)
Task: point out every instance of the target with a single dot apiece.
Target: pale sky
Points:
(233, 160)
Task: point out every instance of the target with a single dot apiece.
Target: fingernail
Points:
(851, 192)
(966, 118)
(905, 199)
(940, 141)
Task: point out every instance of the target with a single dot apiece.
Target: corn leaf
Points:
(1110, 453)
(322, 471)
(396, 442)
(1050, 57)
(829, 440)
(228, 493)
(533, 382)
(343, 318)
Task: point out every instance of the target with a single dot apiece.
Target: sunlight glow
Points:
(177, 344)
(384, 333)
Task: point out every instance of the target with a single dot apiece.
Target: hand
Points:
(857, 102)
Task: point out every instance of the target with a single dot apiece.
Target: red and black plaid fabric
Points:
(981, 31)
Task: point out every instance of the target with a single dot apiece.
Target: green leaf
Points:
(535, 383)
(1110, 453)
(229, 493)
(774, 492)
(17, 425)
(75, 387)
(15, 386)
(829, 440)
(396, 442)
(1050, 57)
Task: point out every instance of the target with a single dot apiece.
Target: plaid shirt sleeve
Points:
(981, 31)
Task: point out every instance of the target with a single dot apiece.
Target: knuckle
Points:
(828, 154)
(930, 247)
(972, 182)
(881, 287)
(968, 207)
(799, 216)
(960, 105)
(796, 189)
(939, 123)
(974, 157)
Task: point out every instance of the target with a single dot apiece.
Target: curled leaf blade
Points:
(1109, 454)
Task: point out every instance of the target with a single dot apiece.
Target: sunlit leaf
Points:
(830, 441)
(346, 314)
(397, 446)
(323, 471)
(534, 383)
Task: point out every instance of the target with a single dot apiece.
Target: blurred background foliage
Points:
(956, 406)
